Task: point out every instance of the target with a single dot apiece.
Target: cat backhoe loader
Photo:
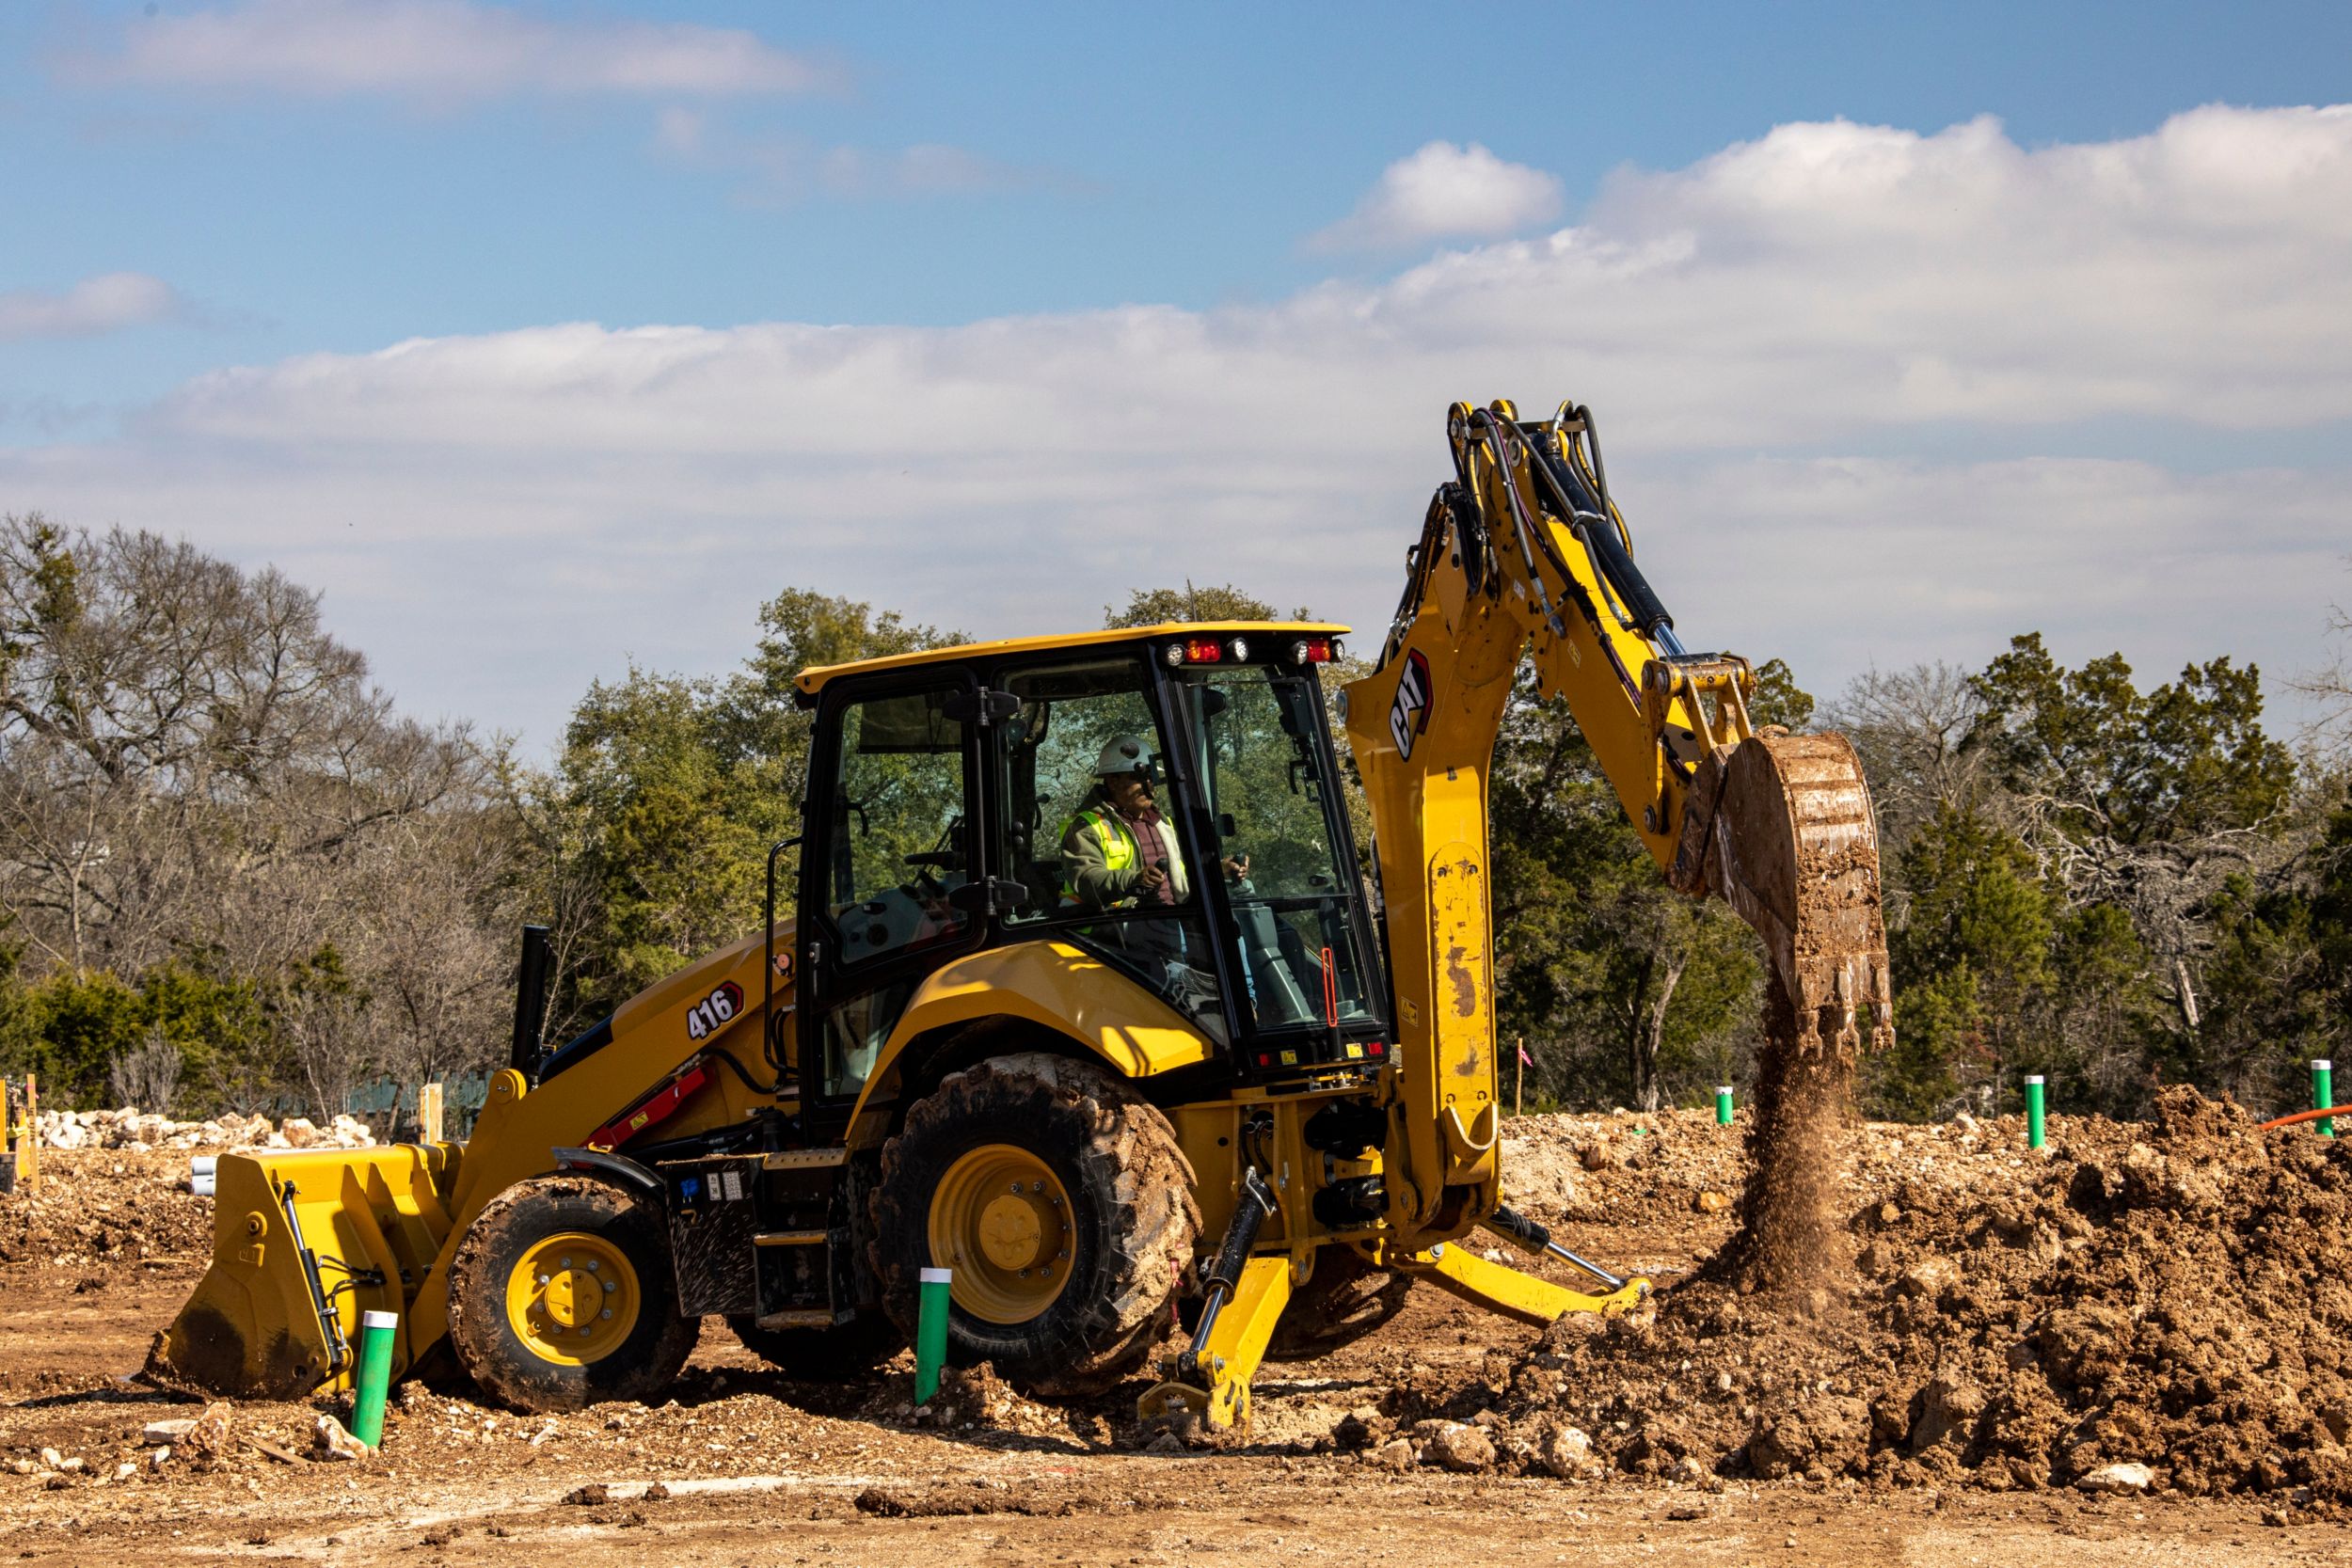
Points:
(1178, 1069)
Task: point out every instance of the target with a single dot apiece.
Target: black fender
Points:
(618, 1169)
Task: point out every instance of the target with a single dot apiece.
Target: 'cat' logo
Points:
(1409, 714)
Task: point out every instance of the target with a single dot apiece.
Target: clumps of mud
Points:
(96, 1209)
(2170, 1297)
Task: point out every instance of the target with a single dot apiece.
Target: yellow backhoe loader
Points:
(1087, 1000)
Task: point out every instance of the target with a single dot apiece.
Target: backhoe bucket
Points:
(302, 1245)
(1784, 831)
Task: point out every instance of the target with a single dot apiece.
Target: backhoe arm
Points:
(1523, 552)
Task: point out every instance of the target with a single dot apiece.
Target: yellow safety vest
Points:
(1119, 848)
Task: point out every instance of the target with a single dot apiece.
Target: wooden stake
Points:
(429, 1113)
(28, 1141)
(1518, 1074)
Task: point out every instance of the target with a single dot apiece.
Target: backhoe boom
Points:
(1525, 554)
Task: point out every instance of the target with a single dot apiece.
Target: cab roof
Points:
(813, 679)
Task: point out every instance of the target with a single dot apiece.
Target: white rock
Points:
(335, 1442)
(166, 1431)
(2119, 1480)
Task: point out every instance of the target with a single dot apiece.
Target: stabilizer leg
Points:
(1499, 1288)
(1212, 1380)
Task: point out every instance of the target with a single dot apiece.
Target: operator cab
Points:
(1166, 799)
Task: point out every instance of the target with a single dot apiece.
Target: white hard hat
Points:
(1125, 755)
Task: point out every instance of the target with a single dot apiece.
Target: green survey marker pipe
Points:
(2324, 1094)
(2033, 1112)
(930, 1334)
(375, 1376)
(1723, 1104)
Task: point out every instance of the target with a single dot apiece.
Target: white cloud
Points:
(1445, 191)
(106, 303)
(440, 50)
(499, 517)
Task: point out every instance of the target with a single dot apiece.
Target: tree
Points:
(198, 787)
(2147, 800)
(1969, 962)
(1633, 991)
(650, 836)
(1152, 607)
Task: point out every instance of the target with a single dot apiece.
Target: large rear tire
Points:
(1064, 1207)
(560, 1296)
(1346, 1299)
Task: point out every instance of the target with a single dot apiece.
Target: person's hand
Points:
(1236, 866)
(1151, 878)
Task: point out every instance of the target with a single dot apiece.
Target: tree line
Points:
(233, 876)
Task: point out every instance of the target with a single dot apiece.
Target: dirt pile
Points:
(2167, 1295)
(95, 1210)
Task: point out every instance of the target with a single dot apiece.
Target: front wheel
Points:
(1061, 1204)
(560, 1296)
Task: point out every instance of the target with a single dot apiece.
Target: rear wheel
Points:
(1064, 1207)
(1346, 1299)
(822, 1354)
(560, 1296)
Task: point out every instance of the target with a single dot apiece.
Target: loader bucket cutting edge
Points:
(303, 1243)
(1796, 855)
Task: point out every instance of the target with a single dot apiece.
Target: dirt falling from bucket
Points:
(1791, 1241)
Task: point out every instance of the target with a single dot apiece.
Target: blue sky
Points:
(1039, 210)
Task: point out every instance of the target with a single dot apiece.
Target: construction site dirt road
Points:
(2011, 1376)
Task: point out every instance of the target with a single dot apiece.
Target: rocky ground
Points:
(2022, 1336)
(129, 1128)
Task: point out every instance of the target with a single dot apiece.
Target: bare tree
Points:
(190, 763)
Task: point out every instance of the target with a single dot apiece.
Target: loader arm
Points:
(1523, 553)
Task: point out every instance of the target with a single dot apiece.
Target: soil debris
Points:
(2165, 1298)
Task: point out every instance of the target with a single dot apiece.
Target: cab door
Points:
(888, 869)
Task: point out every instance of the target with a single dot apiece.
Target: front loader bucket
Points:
(1791, 845)
(303, 1242)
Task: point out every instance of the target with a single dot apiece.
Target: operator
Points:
(1118, 851)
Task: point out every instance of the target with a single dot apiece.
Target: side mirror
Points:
(982, 707)
(991, 895)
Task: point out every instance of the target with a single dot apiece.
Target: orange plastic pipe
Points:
(2305, 1115)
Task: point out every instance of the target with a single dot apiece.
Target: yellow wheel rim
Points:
(573, 1298)
(1000, 1220)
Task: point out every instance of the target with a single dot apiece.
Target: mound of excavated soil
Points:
(94, 1208)
(2168, 1295)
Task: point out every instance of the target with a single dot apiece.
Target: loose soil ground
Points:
(2167, 1295)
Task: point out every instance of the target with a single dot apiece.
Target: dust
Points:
(1790, 1241)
